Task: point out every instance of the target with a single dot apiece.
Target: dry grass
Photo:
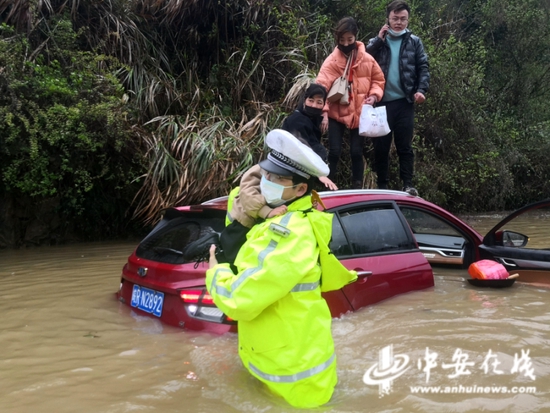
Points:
(196, 158)
(200, 117)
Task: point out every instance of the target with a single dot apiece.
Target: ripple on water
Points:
(67, 342)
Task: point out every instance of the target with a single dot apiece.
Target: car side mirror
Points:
(511, 239)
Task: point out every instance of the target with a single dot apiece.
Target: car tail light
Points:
(199, 304)
(195, 296)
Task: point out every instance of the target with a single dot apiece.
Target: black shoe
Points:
(199, 250)
(410, 190)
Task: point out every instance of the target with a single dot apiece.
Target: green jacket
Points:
(284, 323)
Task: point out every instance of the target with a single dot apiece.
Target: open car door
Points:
(521, 245)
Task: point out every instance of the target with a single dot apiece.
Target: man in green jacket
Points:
(285, 335)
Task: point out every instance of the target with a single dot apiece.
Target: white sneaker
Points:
(410, 190)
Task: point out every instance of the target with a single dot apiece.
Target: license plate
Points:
(147, 300)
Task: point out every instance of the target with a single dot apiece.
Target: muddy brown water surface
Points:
(67, 345)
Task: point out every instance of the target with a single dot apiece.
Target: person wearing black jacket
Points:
(305, 121)
(305, 124)
(404, 62)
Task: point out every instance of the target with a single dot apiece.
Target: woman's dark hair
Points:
(315, 89)
(396, 6)
(312, 90)
(347, 24)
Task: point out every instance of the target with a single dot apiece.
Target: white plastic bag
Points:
(373, 121)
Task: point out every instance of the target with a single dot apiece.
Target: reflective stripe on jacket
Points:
(284, 324)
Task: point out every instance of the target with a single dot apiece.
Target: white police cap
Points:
(289, 156)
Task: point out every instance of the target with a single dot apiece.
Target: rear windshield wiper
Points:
(163, 250)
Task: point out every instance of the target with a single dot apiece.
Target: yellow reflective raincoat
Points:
(285, 335)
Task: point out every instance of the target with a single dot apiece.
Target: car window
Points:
(169, 239)
(423, 223)
(440, 242)
(366, 230)
(339, 244)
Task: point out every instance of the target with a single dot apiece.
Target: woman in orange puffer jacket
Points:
(367, 86)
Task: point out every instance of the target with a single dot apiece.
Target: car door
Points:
(442, 237)
(520, 242)
(375, 239)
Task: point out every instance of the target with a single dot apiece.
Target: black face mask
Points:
(312, 112)
(347, 49)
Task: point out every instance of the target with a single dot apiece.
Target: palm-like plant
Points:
(199, 157)
(197, 74)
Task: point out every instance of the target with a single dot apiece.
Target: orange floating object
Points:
(488, 270)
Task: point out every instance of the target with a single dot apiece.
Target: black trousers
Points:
(401, 121)
(335, 140)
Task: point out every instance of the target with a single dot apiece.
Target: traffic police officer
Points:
(284, 323)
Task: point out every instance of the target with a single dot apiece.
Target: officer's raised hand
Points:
(212, 261)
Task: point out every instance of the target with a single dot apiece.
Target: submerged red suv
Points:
(389, 237)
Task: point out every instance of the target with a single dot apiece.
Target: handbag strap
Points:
(352, 59)
(345, 75)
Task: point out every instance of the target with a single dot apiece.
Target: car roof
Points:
(349, 196)
(332, 199)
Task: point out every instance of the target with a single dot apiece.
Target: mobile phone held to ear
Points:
(384, 30)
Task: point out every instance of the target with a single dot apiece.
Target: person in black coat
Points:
(305, 121)
(305, 124)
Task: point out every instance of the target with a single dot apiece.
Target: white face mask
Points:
(396, 34)
(273, 193)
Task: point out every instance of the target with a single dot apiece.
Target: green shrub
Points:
(64, 130)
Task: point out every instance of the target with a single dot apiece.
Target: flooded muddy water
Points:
(67, 345)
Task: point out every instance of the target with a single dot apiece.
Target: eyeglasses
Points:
(397, 19)
(270, 175)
